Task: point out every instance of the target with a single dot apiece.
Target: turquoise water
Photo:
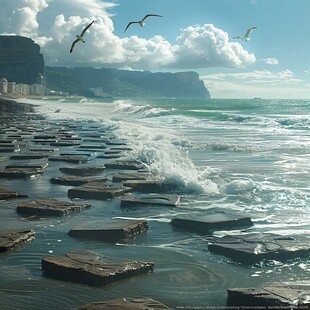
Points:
(245, 156)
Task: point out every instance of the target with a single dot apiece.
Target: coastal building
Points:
(3, 86)
(12, 88)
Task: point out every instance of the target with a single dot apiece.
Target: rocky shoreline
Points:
(30, 146)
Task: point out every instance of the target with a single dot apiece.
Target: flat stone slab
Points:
(125, 176)
(19, 173)
(76, 159)
(88, 268)
(83, 171)
(97, 190)
(114, 231)
(50, 207)
(275, 294)
(64, 143)
(6, 194)
(28, 156)
(126, 304)
(255, 248)
(43, 149)
(150, 200)
(148, 186)
(93, 147)
(27, 165)
(124, 165)
(13, 238)
(73, 180)
(206, 224)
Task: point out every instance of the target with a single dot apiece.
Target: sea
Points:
(245, 156)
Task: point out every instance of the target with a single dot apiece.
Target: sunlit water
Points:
(246, 156)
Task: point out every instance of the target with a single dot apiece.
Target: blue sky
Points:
(191, 36)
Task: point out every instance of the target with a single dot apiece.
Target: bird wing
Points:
(130, 24)
(148, 15)
(248, 33)
(86, 28)
(237, 37)
(73, 43)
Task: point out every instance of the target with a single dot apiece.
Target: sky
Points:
(191, 35)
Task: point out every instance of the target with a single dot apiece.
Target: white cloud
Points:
(54, 23)
(271, 61)
(258, 83)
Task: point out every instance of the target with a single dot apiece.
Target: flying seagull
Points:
(80, 37)
(141, 22)
(246, 37)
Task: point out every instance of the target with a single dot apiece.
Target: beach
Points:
(228, 157)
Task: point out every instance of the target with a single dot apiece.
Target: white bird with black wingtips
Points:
(246, 37)
(80, 37)
(141, 22)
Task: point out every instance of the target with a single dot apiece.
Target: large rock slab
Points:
(50, 207)
(208, 223)
(149, 186)
(126, 304)
(13, 238)
(73, 180)
(113, 231)
(97, 190)
(28, 156)
(27, 165)
(150, 200)
(19, 173)
(124, 165)
(75, 159)
(255, 248)
(88, 268)
(285, 294)
(83, 171)
(6, 194)
(125, 176)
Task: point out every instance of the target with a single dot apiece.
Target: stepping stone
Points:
(208, 223)
(148, 186)
(28, 156)
(9, 149)
(13, 238)
(43, 149)
(116, 143)
(293, 295)
(150, 200)
(19, 173)
(254, 248)
(77, 153)
(83, 171)
(93, 147)
(76, 180)
(27, 165)
(107, 156)
(50, 207)
(114, 231)
(75, 159)
(43, 141)
(7, 141)
(126, 165)
(45, 137)
(121, 148)
(125, 304)
(88, 268)
(63, 143)
(124, 176)
(6, 194)
(97, 190)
